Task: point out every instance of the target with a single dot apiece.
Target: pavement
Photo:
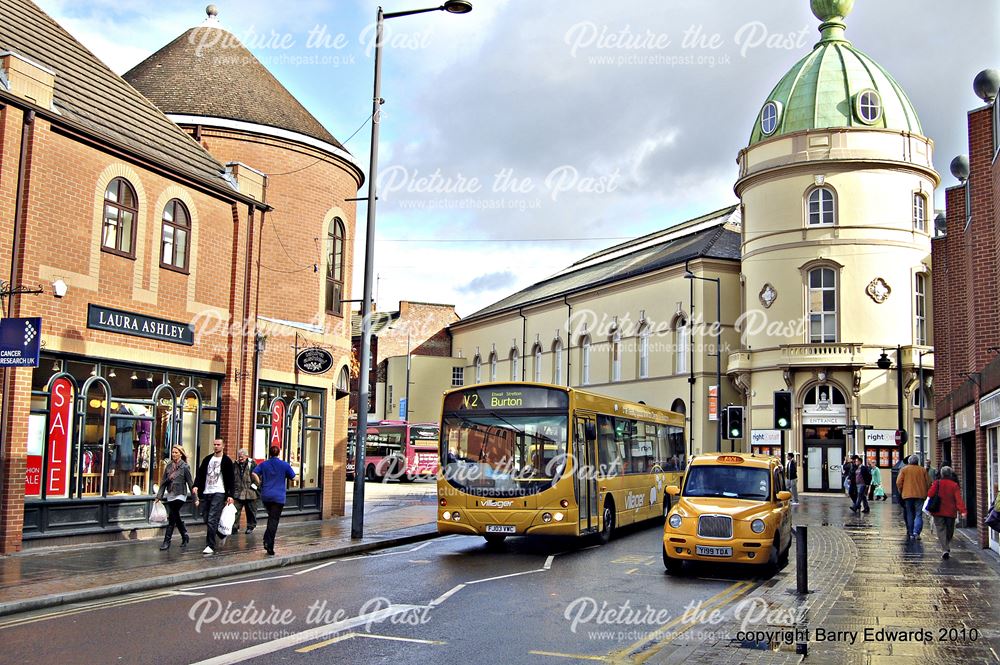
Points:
(863, 575)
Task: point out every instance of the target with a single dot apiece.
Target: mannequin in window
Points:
(143, 438)
(124, 438)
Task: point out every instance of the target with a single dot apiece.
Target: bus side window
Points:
(607, 448)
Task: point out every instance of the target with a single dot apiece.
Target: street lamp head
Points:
(883, 361)
(688, 275)
(457, 6)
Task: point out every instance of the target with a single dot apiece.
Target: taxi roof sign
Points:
(730, 459)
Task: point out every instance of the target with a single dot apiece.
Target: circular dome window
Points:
(868, 106)
(769, 117)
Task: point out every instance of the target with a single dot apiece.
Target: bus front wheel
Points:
(608, 522)
(370, 473)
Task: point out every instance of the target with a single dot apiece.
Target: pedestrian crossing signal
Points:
(782, 409)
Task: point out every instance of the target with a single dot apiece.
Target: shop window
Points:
(303, 433)
(821, 207)
(175, 238)
(335, 268)
(120, 213)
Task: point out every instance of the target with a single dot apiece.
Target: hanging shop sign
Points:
(139, 325)
(20, 342)
(60, 426)
(314, 360)
(278, 424)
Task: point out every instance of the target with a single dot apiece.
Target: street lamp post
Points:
(358, 508)
(921, 396)
(718, 350)
(883, 362)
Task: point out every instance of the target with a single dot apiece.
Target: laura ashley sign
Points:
(138, 325)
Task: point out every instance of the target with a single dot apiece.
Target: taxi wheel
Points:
(783, 557)
(673, 566)
(609, 521)
(495, 539)
(774, 559)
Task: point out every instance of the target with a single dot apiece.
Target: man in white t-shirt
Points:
(213, 486)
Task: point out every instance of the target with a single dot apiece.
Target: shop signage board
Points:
(881, 437)
(314, 360)
(713, 402)
(139, 325)
(277, 424)
(20, 342)
(60, 426)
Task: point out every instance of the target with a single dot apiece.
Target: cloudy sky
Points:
(525, 135)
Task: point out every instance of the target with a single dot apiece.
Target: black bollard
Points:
(801, 560)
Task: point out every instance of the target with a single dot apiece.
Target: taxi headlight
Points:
(758, 526)
(675, 521)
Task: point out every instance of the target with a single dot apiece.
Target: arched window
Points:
(585, 361)
(644, 352)
(121, 209)
(493, 366)
(557, 362)
(682, 347)
(821, 212)
(174, 241)
(616, 356)
(920, 306)
(344, 380)
(335, 268)
(822, 305)
(515, 365)
(477, 362)
(538, 363)
(919, 212)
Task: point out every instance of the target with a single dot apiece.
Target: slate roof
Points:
(207, 72)
(92, 99)
(702, 237)
(380, 321)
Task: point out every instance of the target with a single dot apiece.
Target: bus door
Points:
(585, 478)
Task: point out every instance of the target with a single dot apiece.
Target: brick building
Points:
(966, 314)
(182, 261)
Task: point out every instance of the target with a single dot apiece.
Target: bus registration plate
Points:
(499, 528)
(713, 551)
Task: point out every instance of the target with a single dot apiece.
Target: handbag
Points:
(226, 520)
(993, 519)
(933, 503)
(158, 515)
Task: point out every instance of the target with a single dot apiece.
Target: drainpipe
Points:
(569, 337)
(691, 378)
(524, 341)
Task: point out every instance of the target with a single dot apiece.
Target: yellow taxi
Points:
(734, 508)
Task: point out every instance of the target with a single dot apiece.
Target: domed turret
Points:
(835, 85)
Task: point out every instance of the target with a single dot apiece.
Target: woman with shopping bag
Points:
(947, 496)
(175, 485)
(878, 494)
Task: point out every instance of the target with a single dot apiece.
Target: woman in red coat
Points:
(951, 505)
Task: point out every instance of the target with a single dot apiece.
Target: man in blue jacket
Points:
(272, 475)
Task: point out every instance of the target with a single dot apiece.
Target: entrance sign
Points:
(20, 342)
(314, 360)
(60, 426)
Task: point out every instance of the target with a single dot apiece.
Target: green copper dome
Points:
(836, 85)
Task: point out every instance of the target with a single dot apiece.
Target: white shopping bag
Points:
(226, 520)
(158, 515)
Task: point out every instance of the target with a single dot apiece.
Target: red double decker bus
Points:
(398, 450)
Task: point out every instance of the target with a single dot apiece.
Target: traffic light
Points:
(724, 422)
(782, 409)
(734, 422)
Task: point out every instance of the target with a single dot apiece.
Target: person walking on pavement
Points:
(913, 483)
(862, 479)
(245, 491)
(932, 473)
(791, 477)
(878, 494)
(214, 483)
(951, 505)
(175, 484)
(273, 475)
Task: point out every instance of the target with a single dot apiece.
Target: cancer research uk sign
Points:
(139, 325)
(20, 342)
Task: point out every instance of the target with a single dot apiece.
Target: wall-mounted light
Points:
(112, 374)
(134, 377)
(59, 288)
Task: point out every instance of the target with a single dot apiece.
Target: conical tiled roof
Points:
(208, 72)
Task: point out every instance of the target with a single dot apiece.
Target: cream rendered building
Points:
(836, 186)
(623, 322)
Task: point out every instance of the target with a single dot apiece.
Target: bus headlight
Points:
(455, 516)
(675, 521)
(546, 517)
(559, 517)
(757, 526)
(564, 503)
(446, 515)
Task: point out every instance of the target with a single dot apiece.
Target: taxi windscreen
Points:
(728, 481)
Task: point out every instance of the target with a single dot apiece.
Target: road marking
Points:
(446, 595)
(548, 562)
(316, 633)
(256, 579)
(348, 636)
(503, 577)
(364, 556)
(635, 570)
(574, 656)
(100, 605)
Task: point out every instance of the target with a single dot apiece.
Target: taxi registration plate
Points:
(499, 528)
(713, 551)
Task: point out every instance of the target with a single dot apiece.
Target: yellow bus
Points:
(509, 466)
